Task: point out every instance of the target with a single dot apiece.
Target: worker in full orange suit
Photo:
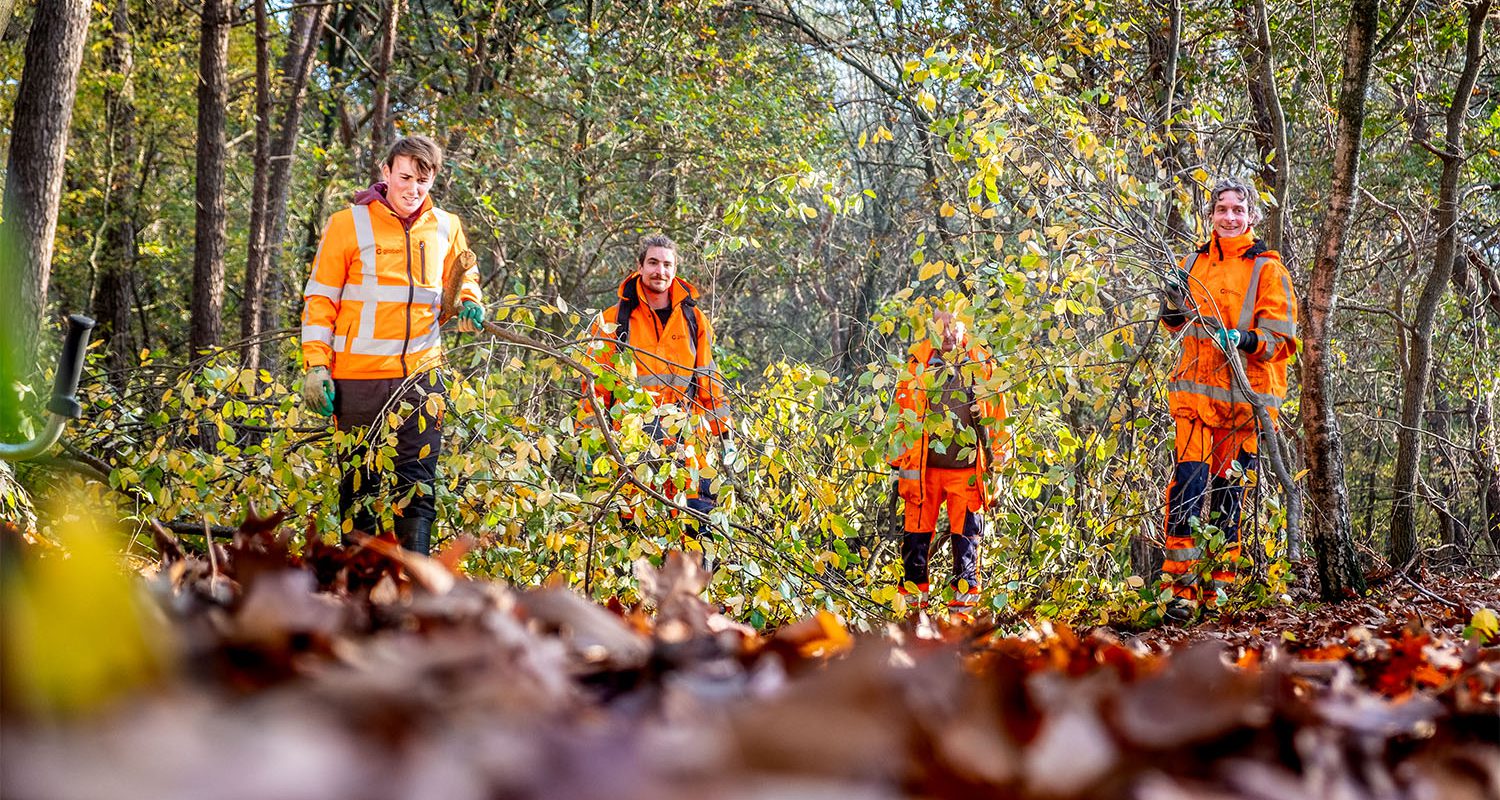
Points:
(370, 340)
(1231, 299)
(951, 439)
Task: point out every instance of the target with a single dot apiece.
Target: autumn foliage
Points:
(369, 672)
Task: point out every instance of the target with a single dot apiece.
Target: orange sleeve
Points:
(324, 290)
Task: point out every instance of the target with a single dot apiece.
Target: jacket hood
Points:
(922, 351)
(681, 289)
(375, 193)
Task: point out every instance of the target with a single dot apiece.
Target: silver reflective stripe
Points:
(1252, 292)
(1220, 393)
(1190, 579)
(391, 294)
(669, 380)
(364, 238)
(909, 474)
(716, 414)
(316, 289)
(317, 333)
(444, 244)
(1282, 327)
(366, 346)
(339, 342)
(1190, 554)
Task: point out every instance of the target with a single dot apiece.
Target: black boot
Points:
(414, 534)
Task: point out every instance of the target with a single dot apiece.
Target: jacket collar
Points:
(630, 289)
(1230, 247)
(923, 351)
(374, 195)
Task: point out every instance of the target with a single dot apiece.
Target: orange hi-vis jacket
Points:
(1242, 285)
(670, 363)
(913, 393)
(370, 308)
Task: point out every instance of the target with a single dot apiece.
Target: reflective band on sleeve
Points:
(909, 474)
(1280, 326)
(1225, 395)
(317, 333)
(1190, 554)
(1247, 310)
(715, 414)
(316, 289)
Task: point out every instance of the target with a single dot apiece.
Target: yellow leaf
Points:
(947, 210)
(929, 270)
(1486, 622)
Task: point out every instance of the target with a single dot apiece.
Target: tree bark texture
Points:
(256, 257)
(1270, 125)
(206, 326)
(117, 258)
(1163, 47)
(296, 70)
(380, 122)
(34, 171)
(1328, 492)
(1401, 547)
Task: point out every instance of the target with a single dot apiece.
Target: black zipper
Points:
(422, 256)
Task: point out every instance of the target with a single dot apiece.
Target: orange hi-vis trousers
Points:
(1205, 457)
(958, 492)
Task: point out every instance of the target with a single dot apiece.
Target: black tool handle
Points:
(64, 401)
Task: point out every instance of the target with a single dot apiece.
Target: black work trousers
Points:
(363, 407)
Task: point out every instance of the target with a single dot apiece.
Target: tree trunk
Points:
(380, 111)
(296, 69)
(1402, 545)
(256, 257)
(1164, 47)
(1328, 493)
(1270, 126)
(33, 184)
(206, 327)
(112, 297)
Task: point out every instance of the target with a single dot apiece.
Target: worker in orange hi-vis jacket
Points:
(657, 319)
(1233, 298)
(370, 339)
(951, 439)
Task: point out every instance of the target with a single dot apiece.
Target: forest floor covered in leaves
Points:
(371, 673)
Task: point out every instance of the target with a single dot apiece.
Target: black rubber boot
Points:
(414, 534)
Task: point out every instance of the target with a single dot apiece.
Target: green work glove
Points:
(317, 390)
(1176, 290)
(471, 318)
(1227, 338)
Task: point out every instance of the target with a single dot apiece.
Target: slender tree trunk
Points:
(1270, 125)
(1402, 545)
(206, 327)
(112, 304)
(256, 257)
(296, 69)
(380, 112)
(1328, 492)
(1164, 45)
(33, 183)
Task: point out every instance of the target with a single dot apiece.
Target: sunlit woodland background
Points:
(827, 167)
